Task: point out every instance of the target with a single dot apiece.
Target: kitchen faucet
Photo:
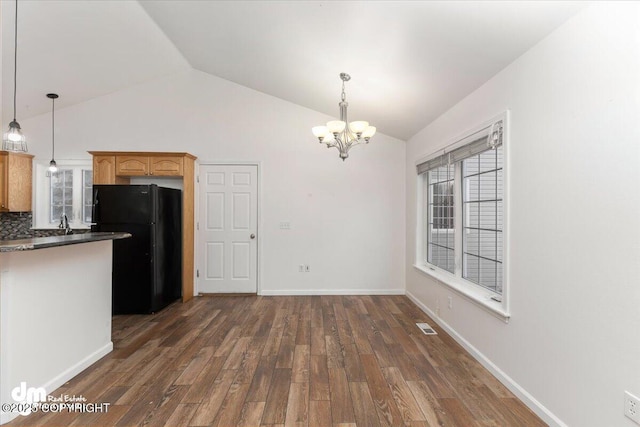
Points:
(64, 223)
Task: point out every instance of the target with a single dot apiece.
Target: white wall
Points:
(573, 342)
(347, 218)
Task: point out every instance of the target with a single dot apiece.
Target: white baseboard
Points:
(533, 404)
(65, 376)
(296, 292)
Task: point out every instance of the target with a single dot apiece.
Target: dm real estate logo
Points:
(28, 396)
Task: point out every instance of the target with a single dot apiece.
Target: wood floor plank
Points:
(231, 408)
(195, 366)
(459, 415)
(300, 370)
(386, 408)
(402, 395)
(261, 382)
(341, 405)
(211, 404)
(350, 361)
(363, 407)
(319, 378)
(204, 382)
(433, 413)
(275, 409)
(320, 413)
(318, 345)
(181, 415)
(251, 414)
(297, 405)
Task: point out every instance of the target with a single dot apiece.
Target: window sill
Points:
(475, 294)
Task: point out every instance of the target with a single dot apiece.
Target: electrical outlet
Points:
(632, 407)
(307, 269)
(450, 302)
(301, 268)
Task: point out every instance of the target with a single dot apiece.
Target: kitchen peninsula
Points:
(55, 309)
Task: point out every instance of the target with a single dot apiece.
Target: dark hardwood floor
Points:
(287, 361)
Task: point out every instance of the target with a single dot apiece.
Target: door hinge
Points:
(198, 273)
(198, 179)
(197, 226)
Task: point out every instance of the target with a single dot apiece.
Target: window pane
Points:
(56, 212)
(488, 273)
(487, 160)
(482, 190)
(440, 217)
(87, 195)
(471, 268)
(56, 196)
(61, 192)
(68, 178)
(68, 196)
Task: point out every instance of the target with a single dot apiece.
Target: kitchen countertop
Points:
(53, 241)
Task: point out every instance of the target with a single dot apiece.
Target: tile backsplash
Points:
(17, 225)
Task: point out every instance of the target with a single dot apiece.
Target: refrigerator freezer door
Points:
(119, 204)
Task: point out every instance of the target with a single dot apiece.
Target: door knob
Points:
(253, 236)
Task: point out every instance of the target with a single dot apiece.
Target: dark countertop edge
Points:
(54, 241)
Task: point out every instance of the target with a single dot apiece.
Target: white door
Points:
(228, 229)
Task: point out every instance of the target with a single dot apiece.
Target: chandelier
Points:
(339, 133)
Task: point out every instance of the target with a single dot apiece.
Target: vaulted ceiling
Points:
(410, 61)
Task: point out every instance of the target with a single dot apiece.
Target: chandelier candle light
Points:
(339, 133)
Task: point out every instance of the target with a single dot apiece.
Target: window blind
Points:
(489, 137)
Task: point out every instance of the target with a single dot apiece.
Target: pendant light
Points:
(53, 167)
(13, 139)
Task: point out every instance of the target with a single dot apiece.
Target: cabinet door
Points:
(4, 203)
(132, 165)
(166, 166)
(104, 169)
(19, 186)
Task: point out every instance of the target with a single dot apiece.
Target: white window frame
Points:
(480, 295)
(43, 194)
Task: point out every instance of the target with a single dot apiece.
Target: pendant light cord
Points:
(15, 62)
(53, 133)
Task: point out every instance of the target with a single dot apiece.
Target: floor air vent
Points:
(426, 329)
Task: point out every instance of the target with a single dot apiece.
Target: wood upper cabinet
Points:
(132, 165)
(117, 167)
(104, 171)
(145, 165)
(15, 181)
(166, 165)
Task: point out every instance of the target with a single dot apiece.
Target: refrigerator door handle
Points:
(94, 209)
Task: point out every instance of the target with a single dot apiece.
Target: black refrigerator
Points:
(147, 268)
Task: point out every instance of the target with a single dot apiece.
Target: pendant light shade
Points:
(13, 139)
(53, 167)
